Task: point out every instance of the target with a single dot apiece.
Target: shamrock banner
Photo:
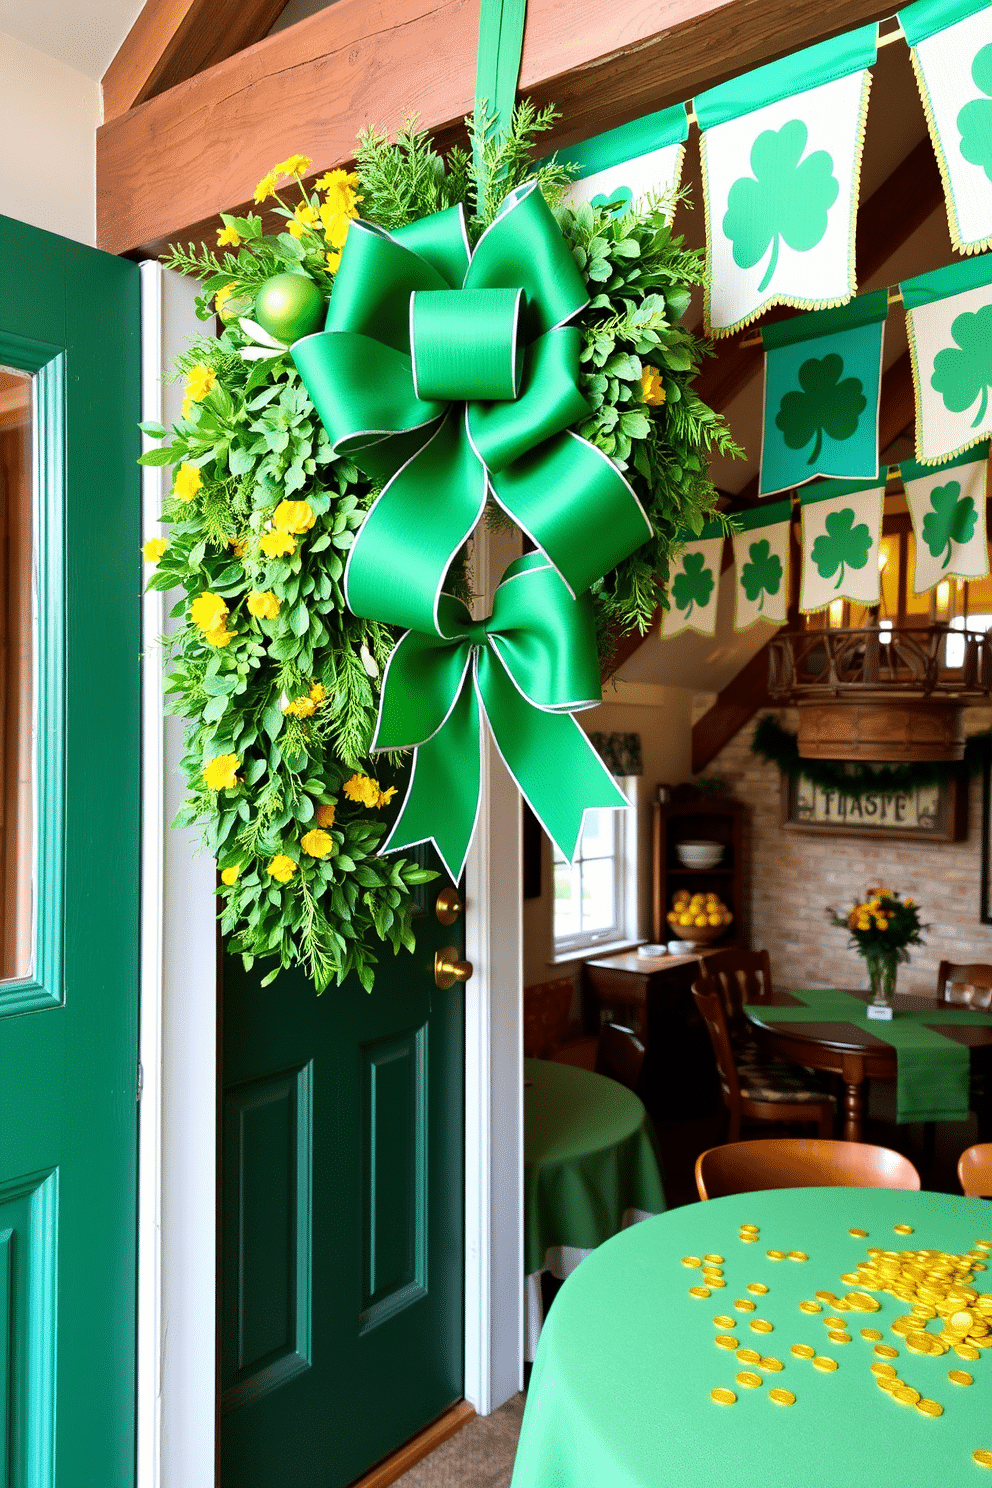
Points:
(761, 565)
(842, 525)
(947, 505)
(823, 377)
(781, 156)
(693, 585)
(951, 46)
(623, 165)
(949, 323)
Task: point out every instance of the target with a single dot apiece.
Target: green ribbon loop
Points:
(527, 670)
(446, 374)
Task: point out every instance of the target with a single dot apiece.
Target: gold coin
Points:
(825, 1297)
(722, 1396)
(837, 1336)
(884, 1371)
(859, 1234)
(832, 1322)
(724, 1341)
(903, 1229)
(903, 1325)
(961, 1321)
(743, 1305)
(761, 1325)
(715, 1281)
(749, 1229)
(810, 1307)
(959, 1377)
(775, 1255)
(775, 1365)
(691, 1261)
(748, 1356)
(920, 1343)
(850, 1277)
(929, 1408)
(822, 1362)
(798, 1255)
(886, 1351)
(886, 1382)
(905, 1394)
(758, 1287)
(699, 1291)
(782, 1397)
(749, 1239)
(722, 1321)
(841, 1304)
(966, 1351)
(872, 1334)
(982, 1457)
(802, 1350)
(861, 1303)
(749, 1381)
(715, 1260)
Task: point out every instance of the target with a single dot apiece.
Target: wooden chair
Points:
(546, 1011)
(742, 976)
(975, 1171)
(744, 1167)
(769, 1092)
(973, 978)
(619, 1054)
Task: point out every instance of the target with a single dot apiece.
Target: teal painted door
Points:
(69, 347)
(342, 1230)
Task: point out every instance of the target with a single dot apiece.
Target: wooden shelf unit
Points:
(718, 819)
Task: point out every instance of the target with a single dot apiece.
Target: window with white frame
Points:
(596, 895)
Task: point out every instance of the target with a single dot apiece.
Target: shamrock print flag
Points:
(947, 506)
(781, 156)
(822, 387)
(694, 581)
(842, 527)
(619, 168)
(951, 46)
(949, 322)
(761, 565)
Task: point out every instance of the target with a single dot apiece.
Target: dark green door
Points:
(342, 1260)
(69, 792)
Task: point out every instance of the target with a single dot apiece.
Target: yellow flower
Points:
(336, 224)
(240, 548)
(303, 218)
(208, 611)
(317, 692)
(221, 298)
(326, 815)
(361, 788)
(333, 261)
(386, 796)
(277, 544)
(230, 875)
(301, 707)
(200, 380)
(910, 903)
(228, 235)
(296, 165)
(282, 868)
(188, 481)
(339, 183)
(651, 386)
(154, 548)
(863, 925)
(264, 606)
(266, 187)
(220, 636)
(221, 773)
(293, 516)
(317, 844)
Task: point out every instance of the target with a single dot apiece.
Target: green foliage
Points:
(787, 198)
(693, 585)
(763, 574)
(975, 119)
(951, 521)
(842, 545)
(826, 405)
(963, 372)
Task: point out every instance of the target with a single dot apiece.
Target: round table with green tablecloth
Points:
(590, 1167)
(620, 1395)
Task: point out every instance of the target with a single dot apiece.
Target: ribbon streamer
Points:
(447, 374)
(526, 670)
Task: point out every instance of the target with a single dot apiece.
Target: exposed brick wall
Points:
(793, 875)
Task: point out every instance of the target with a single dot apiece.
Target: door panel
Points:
(69, 793)
(356, 1342)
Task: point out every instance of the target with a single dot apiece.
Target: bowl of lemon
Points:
(698, 919)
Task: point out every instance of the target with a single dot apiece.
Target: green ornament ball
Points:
(289, 306)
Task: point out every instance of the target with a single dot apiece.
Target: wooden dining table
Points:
(858, 1054)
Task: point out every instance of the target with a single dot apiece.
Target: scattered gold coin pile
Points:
(936, 1285)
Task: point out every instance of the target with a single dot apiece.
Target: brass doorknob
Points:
(448, 906)
(448, 968)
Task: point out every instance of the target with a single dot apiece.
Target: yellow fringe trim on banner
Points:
(717, 333)
(953, 226)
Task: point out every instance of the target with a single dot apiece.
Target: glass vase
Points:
(882, 970)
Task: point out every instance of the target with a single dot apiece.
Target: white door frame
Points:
(177, 1199)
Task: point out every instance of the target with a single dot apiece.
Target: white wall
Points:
(48, 120)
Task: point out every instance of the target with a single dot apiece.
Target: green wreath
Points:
(278, 680)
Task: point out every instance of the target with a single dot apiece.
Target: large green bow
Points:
(528, 668)
(446, 374)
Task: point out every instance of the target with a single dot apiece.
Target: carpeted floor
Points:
(479, 1456)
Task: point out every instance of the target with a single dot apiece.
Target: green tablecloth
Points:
(932, 1071)
(620, 1392)
(588, 1156)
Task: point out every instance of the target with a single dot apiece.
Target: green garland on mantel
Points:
(781, 747)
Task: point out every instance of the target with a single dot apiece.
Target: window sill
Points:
(590, 953)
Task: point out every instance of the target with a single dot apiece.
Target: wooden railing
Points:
(832, 663)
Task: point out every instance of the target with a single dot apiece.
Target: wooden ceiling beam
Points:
(173, 40)
(169, 165)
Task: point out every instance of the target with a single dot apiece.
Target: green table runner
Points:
(620, 1392)
(588, 1156)
(932, 1071)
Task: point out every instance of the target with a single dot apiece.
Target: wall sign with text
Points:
(930, 813)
